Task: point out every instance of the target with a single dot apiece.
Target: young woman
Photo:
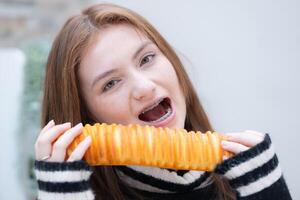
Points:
(110, 65)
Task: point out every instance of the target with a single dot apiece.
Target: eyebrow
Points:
(141, 48)
(103, 75)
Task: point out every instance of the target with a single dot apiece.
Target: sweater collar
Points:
(160, 180)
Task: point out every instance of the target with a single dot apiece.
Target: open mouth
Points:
(158, 112)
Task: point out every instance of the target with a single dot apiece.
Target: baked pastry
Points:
(163, 147)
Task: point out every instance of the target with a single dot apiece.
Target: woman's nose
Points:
(143, 88)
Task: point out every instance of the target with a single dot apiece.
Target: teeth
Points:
(169, 112)
(153, 106)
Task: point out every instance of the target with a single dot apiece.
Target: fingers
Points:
(259, 134)
(241, 141)
(80, 150)
(248, 139)
(233, 147)
(43, 145)
(62, 143)
(53, 141)
(49, 125)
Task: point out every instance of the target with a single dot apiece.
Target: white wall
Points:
(245, 59)
(11, 74)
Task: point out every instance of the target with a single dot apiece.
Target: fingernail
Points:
(89, 138)
(229, 137)
(225, 157)
(67, 124)
(79, 125)
(224, 144)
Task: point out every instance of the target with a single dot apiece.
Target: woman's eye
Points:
(110, 84)
(147, 59)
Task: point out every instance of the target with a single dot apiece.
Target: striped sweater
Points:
(253, 174)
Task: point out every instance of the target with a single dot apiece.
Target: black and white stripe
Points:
(253, 170)
(154, 179)
(85, 195)
(63, 181)
(255, 175)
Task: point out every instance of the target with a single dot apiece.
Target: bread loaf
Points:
(149, 146)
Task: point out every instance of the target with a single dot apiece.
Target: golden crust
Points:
(149, 146)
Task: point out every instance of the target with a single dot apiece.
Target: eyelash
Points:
(105, 87)
(141, 64)
(147, 56)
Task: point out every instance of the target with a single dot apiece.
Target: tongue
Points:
(153, 114)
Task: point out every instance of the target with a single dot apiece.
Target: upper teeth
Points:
(153, 106)
(169, 111)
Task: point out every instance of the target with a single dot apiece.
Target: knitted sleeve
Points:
(256, 174)
(63, 181)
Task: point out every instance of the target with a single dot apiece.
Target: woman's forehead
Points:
(116, 39)
(115, 46)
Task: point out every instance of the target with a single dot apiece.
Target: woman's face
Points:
(125, 79)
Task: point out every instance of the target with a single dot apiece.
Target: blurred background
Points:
(242, 56)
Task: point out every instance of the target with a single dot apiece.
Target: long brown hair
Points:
(62, 99)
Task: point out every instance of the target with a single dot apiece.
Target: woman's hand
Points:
(53, 141)
(241, 141)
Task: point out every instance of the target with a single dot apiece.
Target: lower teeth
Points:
(169, 112)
